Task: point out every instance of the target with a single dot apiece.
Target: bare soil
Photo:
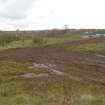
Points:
(83, 66)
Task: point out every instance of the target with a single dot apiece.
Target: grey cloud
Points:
(15, 9)
(3, 1)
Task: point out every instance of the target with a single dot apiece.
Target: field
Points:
(65, 70)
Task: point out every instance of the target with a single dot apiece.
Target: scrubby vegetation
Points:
(28, 39)
(39, 40)
(6, 38)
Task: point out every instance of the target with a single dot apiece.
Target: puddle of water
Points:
(51, 65)
(57, 72)
(32, 75)
(42, 65)
(98, 55)
(48, 66)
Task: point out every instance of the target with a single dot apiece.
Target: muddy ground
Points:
(82, 66)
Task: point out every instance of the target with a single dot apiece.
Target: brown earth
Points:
(81, 66)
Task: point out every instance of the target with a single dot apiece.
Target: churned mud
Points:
(82, 66)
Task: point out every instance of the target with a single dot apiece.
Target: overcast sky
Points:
(48, 14)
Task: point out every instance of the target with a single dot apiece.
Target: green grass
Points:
(92, 47)
(18, 44)
(65, 38)
(73, 36)
(9, 69)
(46, 40)
(6, 38)
(44, 90)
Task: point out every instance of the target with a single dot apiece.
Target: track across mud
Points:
(87, 66)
